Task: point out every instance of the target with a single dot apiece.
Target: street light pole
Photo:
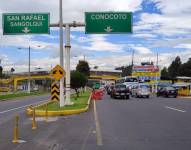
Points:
(29, 84)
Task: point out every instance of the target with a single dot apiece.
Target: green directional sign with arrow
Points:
(108, 22)
(25, 23)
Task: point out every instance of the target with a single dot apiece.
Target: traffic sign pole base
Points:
(69, 103)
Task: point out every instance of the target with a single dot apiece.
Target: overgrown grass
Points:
(79, 103)
(17, 95)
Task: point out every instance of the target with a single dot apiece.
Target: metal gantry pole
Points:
(29, 74)
(67, 66)
(67, 54)
(61, 54)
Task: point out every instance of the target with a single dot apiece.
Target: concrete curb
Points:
(57, 113)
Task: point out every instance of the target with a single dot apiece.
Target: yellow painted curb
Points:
(185, 97)
(58, 113)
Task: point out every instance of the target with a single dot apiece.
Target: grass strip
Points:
(79, 103)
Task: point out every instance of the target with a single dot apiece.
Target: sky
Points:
(159, 26)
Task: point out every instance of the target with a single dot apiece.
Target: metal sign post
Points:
(61, 55)
(67, 66)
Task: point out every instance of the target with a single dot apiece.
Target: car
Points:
(120, 91)
(167, 92)
(141, 90)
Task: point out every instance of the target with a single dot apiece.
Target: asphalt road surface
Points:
(110, 124)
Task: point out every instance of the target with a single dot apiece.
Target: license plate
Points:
(122, 93)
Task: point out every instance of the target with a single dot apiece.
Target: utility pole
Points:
(29, 73)
(132, 58)
(156, 76)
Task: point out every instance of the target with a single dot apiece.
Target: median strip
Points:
(81, 104)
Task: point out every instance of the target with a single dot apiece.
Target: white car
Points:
(141, 90)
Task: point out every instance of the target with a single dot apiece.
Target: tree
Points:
(185, 69)
(83, 67)
(126, 70)
(1, 71)
(174, 68)
(164, 74)
(78, 80)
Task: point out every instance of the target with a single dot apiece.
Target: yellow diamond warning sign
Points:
(58, 72)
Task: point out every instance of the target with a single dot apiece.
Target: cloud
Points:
(185, 46)
(144, 35)
(165, 24)
(142, 50)
(100, 43)
(174, 7)
(71, 8)
(170, 42)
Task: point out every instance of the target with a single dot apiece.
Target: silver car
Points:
(141, 90)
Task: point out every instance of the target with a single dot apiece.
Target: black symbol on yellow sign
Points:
(58, 72)
(55, 92)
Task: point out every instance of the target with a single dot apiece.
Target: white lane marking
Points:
(98, 130)
(175, 109)
(2, 112)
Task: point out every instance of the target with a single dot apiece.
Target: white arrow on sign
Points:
(108, 29)
(26, 30)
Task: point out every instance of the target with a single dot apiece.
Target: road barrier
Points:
(34, 124)
(16, 130)
(97, 94)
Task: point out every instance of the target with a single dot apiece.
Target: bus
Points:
(127, 80)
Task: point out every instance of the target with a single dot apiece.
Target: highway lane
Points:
(10, 108)
(138, 123)
(145, 124)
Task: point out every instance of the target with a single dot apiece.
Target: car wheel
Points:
(147, 96)
(127, 97)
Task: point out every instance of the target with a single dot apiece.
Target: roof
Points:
(102, 70)
(183, 77)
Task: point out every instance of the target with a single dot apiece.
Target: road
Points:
(135, 124)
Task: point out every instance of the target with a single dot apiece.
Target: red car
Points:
(120, 91)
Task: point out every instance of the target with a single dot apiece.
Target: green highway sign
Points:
(108, 22)
(26, 23)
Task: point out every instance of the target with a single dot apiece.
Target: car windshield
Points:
(131, 80)
(170, 88)
(120, 86)
(144, 86)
